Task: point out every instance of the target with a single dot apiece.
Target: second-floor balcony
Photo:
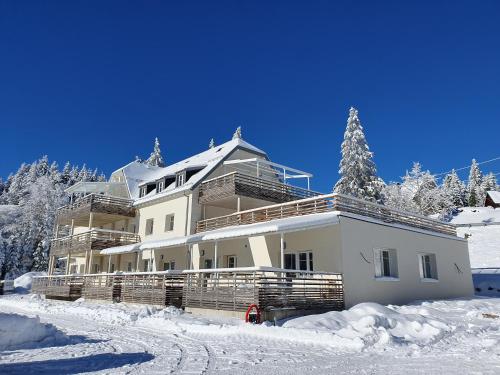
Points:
(95, 239)
(327, 203)
(80, 208)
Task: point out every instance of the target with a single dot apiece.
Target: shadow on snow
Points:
(76, 365)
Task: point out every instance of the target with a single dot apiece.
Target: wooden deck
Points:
(237, 183)
(95, 203)
(268, 289)
(228, 290)
(327, 203)
(95, 239)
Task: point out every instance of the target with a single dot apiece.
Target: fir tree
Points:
(454, 189)
(475, 195)
(357, 169)
(156, 158)
(212, 143)
(66, 173)
(490, 182)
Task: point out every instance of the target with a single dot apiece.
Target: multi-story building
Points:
(230, 207)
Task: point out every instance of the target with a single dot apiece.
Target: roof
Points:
(136, 173)
(290, 224)
(494, 195)
(206, 161)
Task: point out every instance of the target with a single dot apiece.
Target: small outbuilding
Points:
(492, 199)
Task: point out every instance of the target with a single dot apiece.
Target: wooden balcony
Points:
(326, 203)
(95, 239)
(95, 203)
(240, 184)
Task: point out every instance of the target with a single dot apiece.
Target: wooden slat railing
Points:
(237, 183)
(278, 289)
(97, 203)
(67, 286)
(326, 203)
(95, 239)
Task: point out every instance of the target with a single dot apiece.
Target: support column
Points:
(137, 262)
(85, 267)
(150, 260)
(282, 250)
(91, 220)
(68, 260)
(72, 226)
(216, 255)
(109, 263)
(238, 204)
(90, 262)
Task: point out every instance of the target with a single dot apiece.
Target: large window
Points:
(167, 266)
(149, 226)
(386, 263)
(306, 261)
(169, 223)
(428, 267)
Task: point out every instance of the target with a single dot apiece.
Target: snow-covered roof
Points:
(137, 173)
(494, 195)
(291, 224)
(206, 161)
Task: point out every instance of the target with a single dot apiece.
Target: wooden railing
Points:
(326, 203)
(237, 183)
(237, 289)
(95, 239)
(65, 287)
(97, 203)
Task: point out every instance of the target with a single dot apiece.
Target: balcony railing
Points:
(237, 183)
(326, 203)
(95, 239)
(97, 203)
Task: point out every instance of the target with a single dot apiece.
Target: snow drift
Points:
(23, 283)
(20, 332)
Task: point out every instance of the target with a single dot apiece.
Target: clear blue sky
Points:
(96, 81)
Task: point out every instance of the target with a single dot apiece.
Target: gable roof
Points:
(205, 161)
(494, 195)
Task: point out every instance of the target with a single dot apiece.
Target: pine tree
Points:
(357, 169)
(212, 143)
(66, 173)
(489, 182)
(73, 175)
(101, 178)
(237, 133)
(156, 158)
(454, 189)
(475, 195)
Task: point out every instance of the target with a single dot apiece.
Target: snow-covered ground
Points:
(446, 337)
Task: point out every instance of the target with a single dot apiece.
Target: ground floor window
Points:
(386, 263)
(428, 268)
(167, 266)
(129, 267)
(96, 268)
(146, 265)
(232, 261)
(302, 260)
(207, 263)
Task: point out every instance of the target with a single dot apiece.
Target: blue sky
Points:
(95, 82)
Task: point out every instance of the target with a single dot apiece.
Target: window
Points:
(290, 261)
(232, 261)
(306, 261)
(167, 266)
(160, 186)
(180, 178)
(112, 268)
(427, 265)
(208, 263)
(149, 226)
(129, 267)
(146, 265)
(142, 191)
(169, 223)
(386, 263)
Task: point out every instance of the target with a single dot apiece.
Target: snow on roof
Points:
(476, 215)
(137, 173)
(206, 161)
(494, 195)
(170, 242)
(121, 249)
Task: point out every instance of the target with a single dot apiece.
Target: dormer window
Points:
(161, 186)
(180, 178)
(142, 191)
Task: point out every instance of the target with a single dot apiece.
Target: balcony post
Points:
(72, 226)
(109, 264)
(91, 220)
(85, 268)
(90, 261)
(216, 254)
(282, 250)
(68, 259)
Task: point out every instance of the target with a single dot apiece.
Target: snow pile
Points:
(19, 331)
(370, 324)
(476, 216)
(23, 283)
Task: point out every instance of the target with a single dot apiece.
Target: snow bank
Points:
(23, 283)
(19, 331)
(371, 324)
(484, 245)
(476, 215)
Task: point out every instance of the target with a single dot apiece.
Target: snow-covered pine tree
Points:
(18, 184)
(357, 169)
(84, 174)
(211, 144)
(101, 177)
(237, 133)
(156, 158)
(66, 173)
(454, 189)
(490, 182)
(73, 175)
(475, 194)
